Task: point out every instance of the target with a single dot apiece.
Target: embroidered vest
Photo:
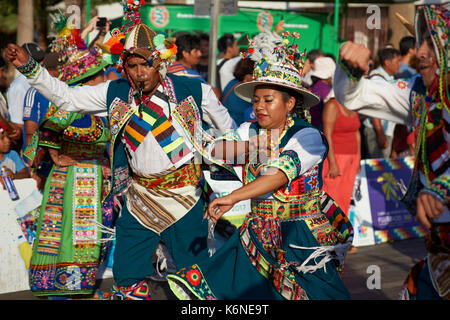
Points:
(120, 112)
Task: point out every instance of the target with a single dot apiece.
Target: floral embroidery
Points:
(195, 284)
(193, 276)
(401, 84)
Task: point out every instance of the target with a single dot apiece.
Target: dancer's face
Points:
(271, 108)
(427, 62)
(142, 74)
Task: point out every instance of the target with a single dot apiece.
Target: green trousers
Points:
(186, 241)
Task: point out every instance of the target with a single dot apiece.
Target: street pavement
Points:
(390, 261)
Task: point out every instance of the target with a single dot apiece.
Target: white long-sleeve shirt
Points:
(389, 101)
(148, 158)
(385, 100)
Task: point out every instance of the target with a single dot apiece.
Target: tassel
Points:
(211, 241)
(328, 253)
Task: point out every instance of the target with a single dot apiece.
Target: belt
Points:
(307, 207)
(187, 175)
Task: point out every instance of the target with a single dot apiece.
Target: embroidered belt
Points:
(188, 175)
(307, 207)
(282, 279)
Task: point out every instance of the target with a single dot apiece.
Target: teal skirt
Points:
(243, 269)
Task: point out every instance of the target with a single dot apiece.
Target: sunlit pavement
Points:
(390, 262)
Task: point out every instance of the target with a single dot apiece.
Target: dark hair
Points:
(332, 56)
(187, 42)
(387, 54)
(225, 41)
(243, 67)
(204, 36)
(314, 54)
(2, 62)
(299, 109)
(34, 51)
(406, 43)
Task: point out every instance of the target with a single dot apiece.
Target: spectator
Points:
(321, 77)
(408, 51)
(202, 66)
(341, 128)
(35, 105)
(403, 142)
(3, 106)
(239, 109)
(378, 134)
(10, 159)
(3, 79)
(15, 96)
(99, 35)
(112, 73)
(309, 65)
(188, 57)
(229, 52)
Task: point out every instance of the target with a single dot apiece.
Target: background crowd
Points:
(351, 137)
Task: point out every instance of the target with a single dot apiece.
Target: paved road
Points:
(392, 259)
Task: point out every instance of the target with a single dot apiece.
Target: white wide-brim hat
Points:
(324, 68)
(285, 76)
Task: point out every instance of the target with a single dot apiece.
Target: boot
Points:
(137, 291)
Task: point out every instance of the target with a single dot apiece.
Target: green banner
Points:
(315, 31)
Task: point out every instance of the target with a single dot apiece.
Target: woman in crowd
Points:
(237, 107)
(341, 127)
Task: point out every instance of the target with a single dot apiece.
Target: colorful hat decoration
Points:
(436, 19)
(80, 62)
(136, 38)
(278, 62)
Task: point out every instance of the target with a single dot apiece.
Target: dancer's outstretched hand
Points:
(355, 55)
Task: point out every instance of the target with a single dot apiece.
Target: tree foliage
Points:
(9, 18)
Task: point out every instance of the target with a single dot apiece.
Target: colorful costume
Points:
(152, 162)
(68, 249)
(295, 238)
(70, 242)
(269, 257)
(427, 109)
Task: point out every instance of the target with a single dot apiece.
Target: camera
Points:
(101, 23)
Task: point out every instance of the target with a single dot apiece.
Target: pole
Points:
(336, 27)
(88, 17)
(215, 12)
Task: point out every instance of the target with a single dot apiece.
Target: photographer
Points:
(96, 23)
